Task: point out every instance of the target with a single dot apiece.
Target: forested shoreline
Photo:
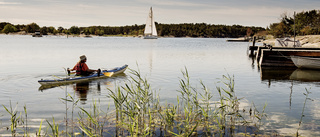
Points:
(302, 23)
(164, 30)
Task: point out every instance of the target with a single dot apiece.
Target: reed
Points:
(14, 118)
(54, 128)
(74, 102)
(302, 113)
(26, 133)
(138, 112)
(135, 100)
(92, 122)
(39, 131)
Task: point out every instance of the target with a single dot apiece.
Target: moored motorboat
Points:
(306, 62)
(37, 34)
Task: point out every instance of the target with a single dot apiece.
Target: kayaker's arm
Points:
(92, 70)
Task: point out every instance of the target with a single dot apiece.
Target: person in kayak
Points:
(81, 67)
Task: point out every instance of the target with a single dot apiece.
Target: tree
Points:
(9, 28)
(249, 32)
(31, 28)
(65, 31)
(302, 23)
(60, 29)
(2, 24)
(74, 30)
(44, 30)
(306, 30)
(51, 30)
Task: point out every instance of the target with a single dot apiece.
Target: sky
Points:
(84, 13)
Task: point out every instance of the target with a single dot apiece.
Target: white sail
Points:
(150, 31)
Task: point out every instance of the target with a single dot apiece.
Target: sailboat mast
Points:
(151, 13)
(294, 29)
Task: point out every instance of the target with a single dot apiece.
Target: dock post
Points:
(253, 44)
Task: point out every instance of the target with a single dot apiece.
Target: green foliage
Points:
(9, 28)
(20, 27)
(74, 30)
(45, 30)
(54, 127)
(31, 28)
(165, 30)
(303, 23)
(2, 24)
(204, 30)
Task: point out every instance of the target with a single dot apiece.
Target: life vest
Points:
(79, 70)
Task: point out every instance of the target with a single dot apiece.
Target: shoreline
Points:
(307, 41)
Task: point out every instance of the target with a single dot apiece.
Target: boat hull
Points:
(306, 62)
(76, 79)
(150, 37)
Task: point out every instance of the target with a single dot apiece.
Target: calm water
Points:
(24, 60)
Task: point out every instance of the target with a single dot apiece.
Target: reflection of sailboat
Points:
(306, 75)
(150, 31)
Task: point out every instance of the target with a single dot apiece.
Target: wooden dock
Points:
(280, 56)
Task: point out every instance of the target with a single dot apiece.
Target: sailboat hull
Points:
(150, 37)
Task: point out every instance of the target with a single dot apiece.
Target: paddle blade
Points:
(108, 74)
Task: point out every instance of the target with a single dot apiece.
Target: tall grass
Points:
(92, 122)
(138, 111)
(302, 113)
(14, 118)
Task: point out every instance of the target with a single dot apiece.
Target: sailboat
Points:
(150, 31)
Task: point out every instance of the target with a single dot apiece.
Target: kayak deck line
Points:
(75, 79)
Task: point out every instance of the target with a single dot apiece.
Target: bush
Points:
(9, 28)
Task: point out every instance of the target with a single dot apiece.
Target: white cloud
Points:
(9, 3)
(119, 13)
(172, 3)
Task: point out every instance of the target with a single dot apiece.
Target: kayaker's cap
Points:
(83, 57)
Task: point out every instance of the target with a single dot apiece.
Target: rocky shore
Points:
(310, 41)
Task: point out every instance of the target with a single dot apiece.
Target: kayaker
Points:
(81, 67)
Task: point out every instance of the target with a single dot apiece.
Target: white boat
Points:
(306, 62)
(150, 31)
(37, 34)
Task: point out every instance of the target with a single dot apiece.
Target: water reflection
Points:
(289, 74)
(82, 90)
(306, 75)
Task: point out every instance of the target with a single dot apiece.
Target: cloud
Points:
(172, 3)
(9, 3)
(128, 12)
